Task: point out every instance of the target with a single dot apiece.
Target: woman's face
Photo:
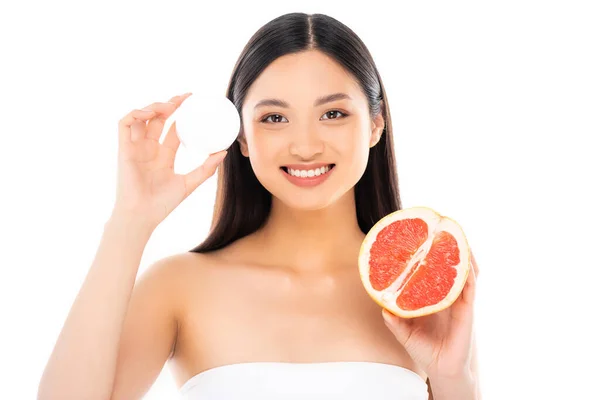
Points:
(300, 135)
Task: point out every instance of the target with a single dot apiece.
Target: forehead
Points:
(301, 78)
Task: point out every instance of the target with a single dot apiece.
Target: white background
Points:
(496, 115)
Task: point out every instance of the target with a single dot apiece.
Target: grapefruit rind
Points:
(436, 222)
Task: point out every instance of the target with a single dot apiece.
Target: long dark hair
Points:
(242, 203)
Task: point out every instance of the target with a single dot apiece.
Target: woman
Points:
(270, 304)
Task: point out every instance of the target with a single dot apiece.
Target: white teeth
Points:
(304, 173)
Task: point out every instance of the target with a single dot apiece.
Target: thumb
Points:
(196, 177)
(400, 327)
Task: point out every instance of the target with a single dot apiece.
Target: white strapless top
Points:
(322, 380)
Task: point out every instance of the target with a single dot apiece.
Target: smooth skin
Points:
(304, 302)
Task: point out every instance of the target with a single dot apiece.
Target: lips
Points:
(307, 166)
(308, 178)
(305, 172)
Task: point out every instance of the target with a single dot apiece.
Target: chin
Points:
(305, 203)
(313, 199)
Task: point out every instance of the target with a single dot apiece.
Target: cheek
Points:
(263, 150)
(356, 147)
(356, 155)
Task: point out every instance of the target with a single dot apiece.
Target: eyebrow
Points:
(320, 101)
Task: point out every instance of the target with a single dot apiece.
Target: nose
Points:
(306, 144)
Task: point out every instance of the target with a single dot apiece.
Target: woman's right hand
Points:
(147, 186)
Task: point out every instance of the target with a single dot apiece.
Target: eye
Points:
(332, 112)
(272, 115)
(328, 113)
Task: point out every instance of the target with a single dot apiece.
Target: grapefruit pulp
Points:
(414, 262)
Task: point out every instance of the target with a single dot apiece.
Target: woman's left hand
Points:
(440, 343)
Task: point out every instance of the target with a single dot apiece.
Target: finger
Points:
(468, 292)
(196, 177)
(164, 111)
(475, 266)
(171, 140)
(398, 326)
(138, 130)
(128, 120)
(180, 98)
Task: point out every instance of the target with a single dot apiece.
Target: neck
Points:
(315, 239)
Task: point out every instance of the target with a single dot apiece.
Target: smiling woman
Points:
(311, 172)
(271, 304)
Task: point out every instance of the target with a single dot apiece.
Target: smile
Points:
(308, 177)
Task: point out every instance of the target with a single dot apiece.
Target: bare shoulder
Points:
(208, 291)
(164, 275)
(203, 284)
(168, 280)
(185, 276)
(151, 327)
(173, 272)
(177, 267)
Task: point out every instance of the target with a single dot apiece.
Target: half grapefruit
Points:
(414, 262)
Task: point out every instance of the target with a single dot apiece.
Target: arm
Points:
(83, 364)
